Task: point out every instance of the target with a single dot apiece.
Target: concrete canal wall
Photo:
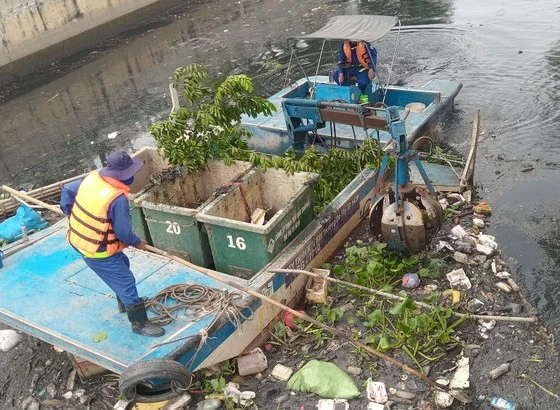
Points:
(28, 27)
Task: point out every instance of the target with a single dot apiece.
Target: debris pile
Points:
(472, 283)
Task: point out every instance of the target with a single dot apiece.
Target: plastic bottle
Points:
(499, 403)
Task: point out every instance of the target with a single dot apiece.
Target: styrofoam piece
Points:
(459, 231)
(282, 372)
(460, 379)
(459, 280)
(485, 250)
(332, 404)
(9, 339)
(443, 399)
(377, 392)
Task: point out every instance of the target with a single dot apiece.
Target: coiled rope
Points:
(186, 302)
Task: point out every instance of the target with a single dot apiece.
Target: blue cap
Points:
(121, 166)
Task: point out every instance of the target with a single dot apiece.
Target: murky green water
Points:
(506, 53)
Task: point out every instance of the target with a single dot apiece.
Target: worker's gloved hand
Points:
(142, 245)
(371, 74)
(340, 78)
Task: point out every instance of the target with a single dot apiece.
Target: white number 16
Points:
(239, 243)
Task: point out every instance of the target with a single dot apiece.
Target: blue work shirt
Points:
(355, 62)
(119, 213)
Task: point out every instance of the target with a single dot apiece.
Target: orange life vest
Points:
(361, 53)
(89, 226)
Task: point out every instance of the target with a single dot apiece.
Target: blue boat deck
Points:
(49, 292)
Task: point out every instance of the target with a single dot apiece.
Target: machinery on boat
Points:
(412, 212)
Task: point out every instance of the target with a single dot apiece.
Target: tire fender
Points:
(172, 377)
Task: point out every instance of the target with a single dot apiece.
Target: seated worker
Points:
(357, 63)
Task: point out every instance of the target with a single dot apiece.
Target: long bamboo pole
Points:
(396, 297)
(216, 275)
(8, 206)
(28, 198)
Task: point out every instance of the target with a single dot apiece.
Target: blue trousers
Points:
(361, 77)
(115, 272)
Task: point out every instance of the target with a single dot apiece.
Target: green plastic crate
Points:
(153, 163)
(170, 209)
(241, 248)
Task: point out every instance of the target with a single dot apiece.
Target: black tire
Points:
(134, 381)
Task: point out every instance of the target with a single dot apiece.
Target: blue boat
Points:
(316, 111)
(51, 294)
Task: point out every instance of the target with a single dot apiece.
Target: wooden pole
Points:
(396, 297)
(216, 275)
(9, 205)
(28, 198)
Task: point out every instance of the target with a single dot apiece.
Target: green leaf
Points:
(424, 272)
(384, 343)
(218, 384)
(372, 339)
(338, 270)
(403, 306)
(386, 288)
(376, 316)
(99, 337)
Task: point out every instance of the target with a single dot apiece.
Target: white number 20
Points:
(173, 227)
(238, 244)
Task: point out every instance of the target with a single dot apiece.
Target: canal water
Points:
(56, 122)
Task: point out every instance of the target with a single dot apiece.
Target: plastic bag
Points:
(10, 229)
(324, 379)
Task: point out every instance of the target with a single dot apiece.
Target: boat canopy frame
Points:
(350, 27)
(354, 28)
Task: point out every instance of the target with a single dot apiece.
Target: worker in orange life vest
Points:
(357, 64)
(100, 227)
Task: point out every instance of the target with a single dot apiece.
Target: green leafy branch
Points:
(375, 266)
(207, 127)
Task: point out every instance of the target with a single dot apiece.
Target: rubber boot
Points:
(122, 307)
(140, 323)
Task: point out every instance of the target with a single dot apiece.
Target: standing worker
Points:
(357, 64)
(100, 227)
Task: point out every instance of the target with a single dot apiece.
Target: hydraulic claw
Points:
(407, 214)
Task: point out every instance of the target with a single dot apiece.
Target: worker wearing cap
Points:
(357, 64)
(100, 227)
